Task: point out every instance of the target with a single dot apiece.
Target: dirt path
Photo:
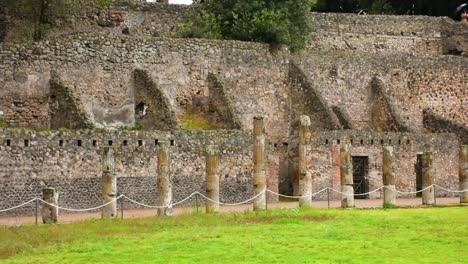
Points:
(68, 217)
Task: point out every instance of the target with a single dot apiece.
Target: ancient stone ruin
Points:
(124, 81)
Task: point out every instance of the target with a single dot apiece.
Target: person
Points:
(464, 16)
(461, 13)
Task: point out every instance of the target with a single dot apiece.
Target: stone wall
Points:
(71, 162)
(99, 70)
(412, 85)
(326, 158)
(384, 34)
(372, 73)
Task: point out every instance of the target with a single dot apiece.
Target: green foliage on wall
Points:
(192, 121)
(276, 22)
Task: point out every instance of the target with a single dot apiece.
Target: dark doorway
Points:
(361, 183)
(418, 168)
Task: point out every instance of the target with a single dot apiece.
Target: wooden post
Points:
(108, 183)
(164, 187)
(388, 169)
(49, 212)
(305, 177)
(346, 173)
(428, 197)
(463, 164)
(212, 178)
(259, 177)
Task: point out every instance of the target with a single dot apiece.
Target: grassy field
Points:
(424, 235)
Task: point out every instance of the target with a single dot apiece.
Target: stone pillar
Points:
(388, 169)
(305, 177)
(428, 197)
(49, 212)
(346, 173)
(259, 177)
(164, 187)
(463, 164)
(108, 183)
(212, 178)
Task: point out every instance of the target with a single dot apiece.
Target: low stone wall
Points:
(71, 162)
(326, 158)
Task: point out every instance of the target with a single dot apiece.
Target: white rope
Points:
(227, 204)
(447, 190)
(358, 194)
(233, 204)
(163, 206)
(144, 205)
(415, 192)
(297, 197)
(80, 210)
(18, 206)
(185, 199)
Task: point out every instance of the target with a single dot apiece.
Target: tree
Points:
(277, 22)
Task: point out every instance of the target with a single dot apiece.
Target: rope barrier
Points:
(220, 203)
(358, 194)
(80, 210)
(144, 205)
(18, 206)
(415, 192)
(185, 199)
(233, 204)
(447, 190)
(297, 197)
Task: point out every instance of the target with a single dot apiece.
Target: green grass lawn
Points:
(423, 235)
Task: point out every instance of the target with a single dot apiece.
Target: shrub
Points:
(277, 22)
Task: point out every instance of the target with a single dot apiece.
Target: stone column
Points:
(164, 187)
(108, 183)
(346, 173)
(259, 177)
(212, 178)
(305, 177)
(428, 197)
(463, 164)
(49, 212)
(388, 169)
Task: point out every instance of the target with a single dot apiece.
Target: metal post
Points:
(121, 207)
(36, 209)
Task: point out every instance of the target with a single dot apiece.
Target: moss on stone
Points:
(192, 121)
